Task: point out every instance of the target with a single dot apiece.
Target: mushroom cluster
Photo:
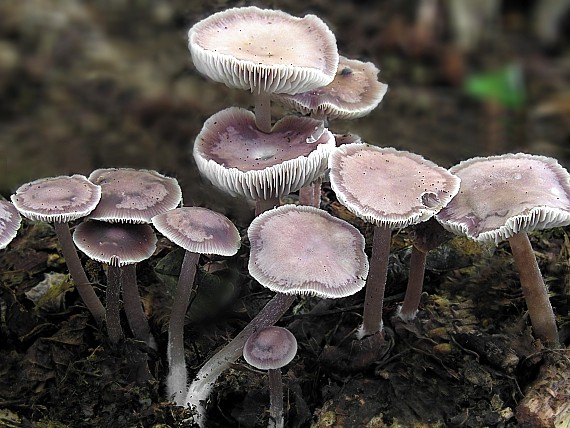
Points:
(244, 153)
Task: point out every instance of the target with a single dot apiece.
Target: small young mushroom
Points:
(265, 51)
(391, 189)
(294, 250)
(198, 231)
(241, 160)
(9, 222)
(270, 349)
(504, 197)
(117, 245)
(134, 196)
(59, 200)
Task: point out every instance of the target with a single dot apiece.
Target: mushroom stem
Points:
(411, 303)
(262, 205)
(114, 329)
(133, 306)
(275, 398)
(311, 194)
(534, 290)
(177, 378)
(77, 273)
(202, 384)
(376, 283)
(263, 111)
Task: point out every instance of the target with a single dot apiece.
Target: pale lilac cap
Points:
(241, 160)
(264, 50)
(117, 244)
(305, 250)
(57, 199)
(354, 92)
(501, 196)
(199, 230)
(9, 222)
(388, 187)
(270, 348)
(134, 195)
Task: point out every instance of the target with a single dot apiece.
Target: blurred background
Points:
(110, 83)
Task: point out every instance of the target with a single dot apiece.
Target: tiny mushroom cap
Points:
(57, 199)
(199, 230)
(354, 92)
(501, 196)
(241, 160)
(115, 244)
(270, 348)
(9, 223)
(305, 250)
(264, 50)
(388, 187)
(133, 196)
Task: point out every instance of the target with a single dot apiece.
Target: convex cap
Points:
(199, 230)
(388, 187)
(9, 223)
(264, 50)
(305, 250)
(354, 92)
(133, 195)
(501, 196)
(270, 348)
(241, 160)
(57, 199)
(117, 244)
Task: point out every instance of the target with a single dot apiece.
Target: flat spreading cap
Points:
(388, 187)
(354, 92)
(241, 160)
(305, 250)
(117, 244)
(57, 199)
(264, 50)
(270, 348)
(504, 195)
(199, 230)
(9, 223)
(133, 195)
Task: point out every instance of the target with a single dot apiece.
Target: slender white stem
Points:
(200, 388)
(177, 378)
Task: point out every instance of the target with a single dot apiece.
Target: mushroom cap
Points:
(354, 92)
(199, 230)
(270, 348)
(264, 50)
(133, 195)
(9, 223)
(57, 199)
(117, 244)
(388, 187)
(305, 250)
(241, 160)
(501, 196)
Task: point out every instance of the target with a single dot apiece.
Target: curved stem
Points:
(114, 329)
(275, 398)
(177, 378)
(376, 283)
(200, 388)
(77, 273)
(311, 194)
(413, 295)
(534, 290)
(133, 306)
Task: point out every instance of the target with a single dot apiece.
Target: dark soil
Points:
(84, 86)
